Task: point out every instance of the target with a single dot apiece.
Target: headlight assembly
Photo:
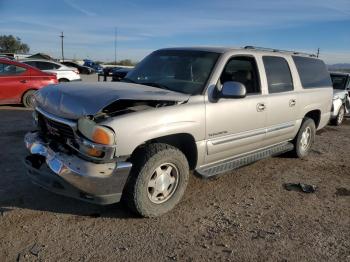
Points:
(96, 133)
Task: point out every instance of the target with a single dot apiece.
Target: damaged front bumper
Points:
(72, 176)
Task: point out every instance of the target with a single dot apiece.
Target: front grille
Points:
(55, 129)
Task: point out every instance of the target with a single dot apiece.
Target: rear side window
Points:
(313, 72)
(278, 74)
(46, 66)
(31, 63)
(8, 69)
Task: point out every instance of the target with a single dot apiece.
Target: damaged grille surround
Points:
(66, 132)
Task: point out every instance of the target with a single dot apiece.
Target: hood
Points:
(73, 100)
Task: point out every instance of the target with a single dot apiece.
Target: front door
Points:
(13, 81)
(236, 126)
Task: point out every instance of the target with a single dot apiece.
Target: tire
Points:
(340, 117)
(63, 80)
(303, 142)
(150, 175)
(27, 99)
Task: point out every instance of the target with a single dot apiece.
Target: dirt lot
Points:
(245, 215)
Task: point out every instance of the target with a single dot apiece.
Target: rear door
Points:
(14, 80)
(282, 102)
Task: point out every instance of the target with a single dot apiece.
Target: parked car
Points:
(119, 74)
(63, 73)
(97, 67)
(7, 57)
(209, 110)
(108, 70)
(82, 69)
(341, 103)
(19, 81)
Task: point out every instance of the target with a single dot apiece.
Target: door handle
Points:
(292, 102)
(260, 107)
(23, 81)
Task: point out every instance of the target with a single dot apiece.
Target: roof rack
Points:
(278, 50)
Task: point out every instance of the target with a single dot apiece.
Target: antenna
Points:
(62, 36)
(115, 44)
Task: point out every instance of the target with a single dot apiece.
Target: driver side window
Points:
(242, 69)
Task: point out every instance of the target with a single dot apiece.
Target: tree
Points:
(12, 44)
(126, 62)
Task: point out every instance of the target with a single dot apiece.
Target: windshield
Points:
(183, 71)
(339, 81)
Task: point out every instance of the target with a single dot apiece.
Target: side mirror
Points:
(233, 89)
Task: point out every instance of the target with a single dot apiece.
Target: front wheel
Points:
(340, 117)
(157, 181)
(305, 138)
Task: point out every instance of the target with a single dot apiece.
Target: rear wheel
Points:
(340, 117)
(157, 181)
(28, 99)
(305, 138)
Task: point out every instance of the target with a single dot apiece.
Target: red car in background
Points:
(19, 81)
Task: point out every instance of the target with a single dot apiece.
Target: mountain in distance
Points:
(339, 67)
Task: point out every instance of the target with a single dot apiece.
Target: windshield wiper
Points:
(155, 85)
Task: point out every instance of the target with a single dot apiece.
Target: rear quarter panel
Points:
(310, 99)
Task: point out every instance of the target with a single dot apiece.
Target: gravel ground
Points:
(246, 215)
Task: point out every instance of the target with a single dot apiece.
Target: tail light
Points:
(76, 71)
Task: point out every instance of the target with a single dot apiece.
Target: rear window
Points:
(339, 81)
(278, 74)
(313, 72)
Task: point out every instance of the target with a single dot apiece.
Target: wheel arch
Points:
(314, 115)
(183, 141)
(63, 79)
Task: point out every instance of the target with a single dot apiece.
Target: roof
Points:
(340, 73)
(40, 56)
(252, 49)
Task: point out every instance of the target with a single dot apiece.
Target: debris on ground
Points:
(33, 249)
(301, 187)
(36, 248)
(342, 191)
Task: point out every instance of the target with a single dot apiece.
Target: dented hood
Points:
(73, 100)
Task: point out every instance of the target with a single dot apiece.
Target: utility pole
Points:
(62, 36)
(318, 52)
(115, 45)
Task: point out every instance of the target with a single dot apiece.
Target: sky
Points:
(144, 26)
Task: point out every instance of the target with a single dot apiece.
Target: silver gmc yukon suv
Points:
(209, 110)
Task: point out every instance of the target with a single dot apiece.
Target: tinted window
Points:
(339, 81)
(278, 74)
(313, 72)
(7, 69)
(46, 66)
(31, 63)
(243, 70)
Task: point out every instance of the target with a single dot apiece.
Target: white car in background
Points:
(63, 72)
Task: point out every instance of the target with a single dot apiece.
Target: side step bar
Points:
(243, 160)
